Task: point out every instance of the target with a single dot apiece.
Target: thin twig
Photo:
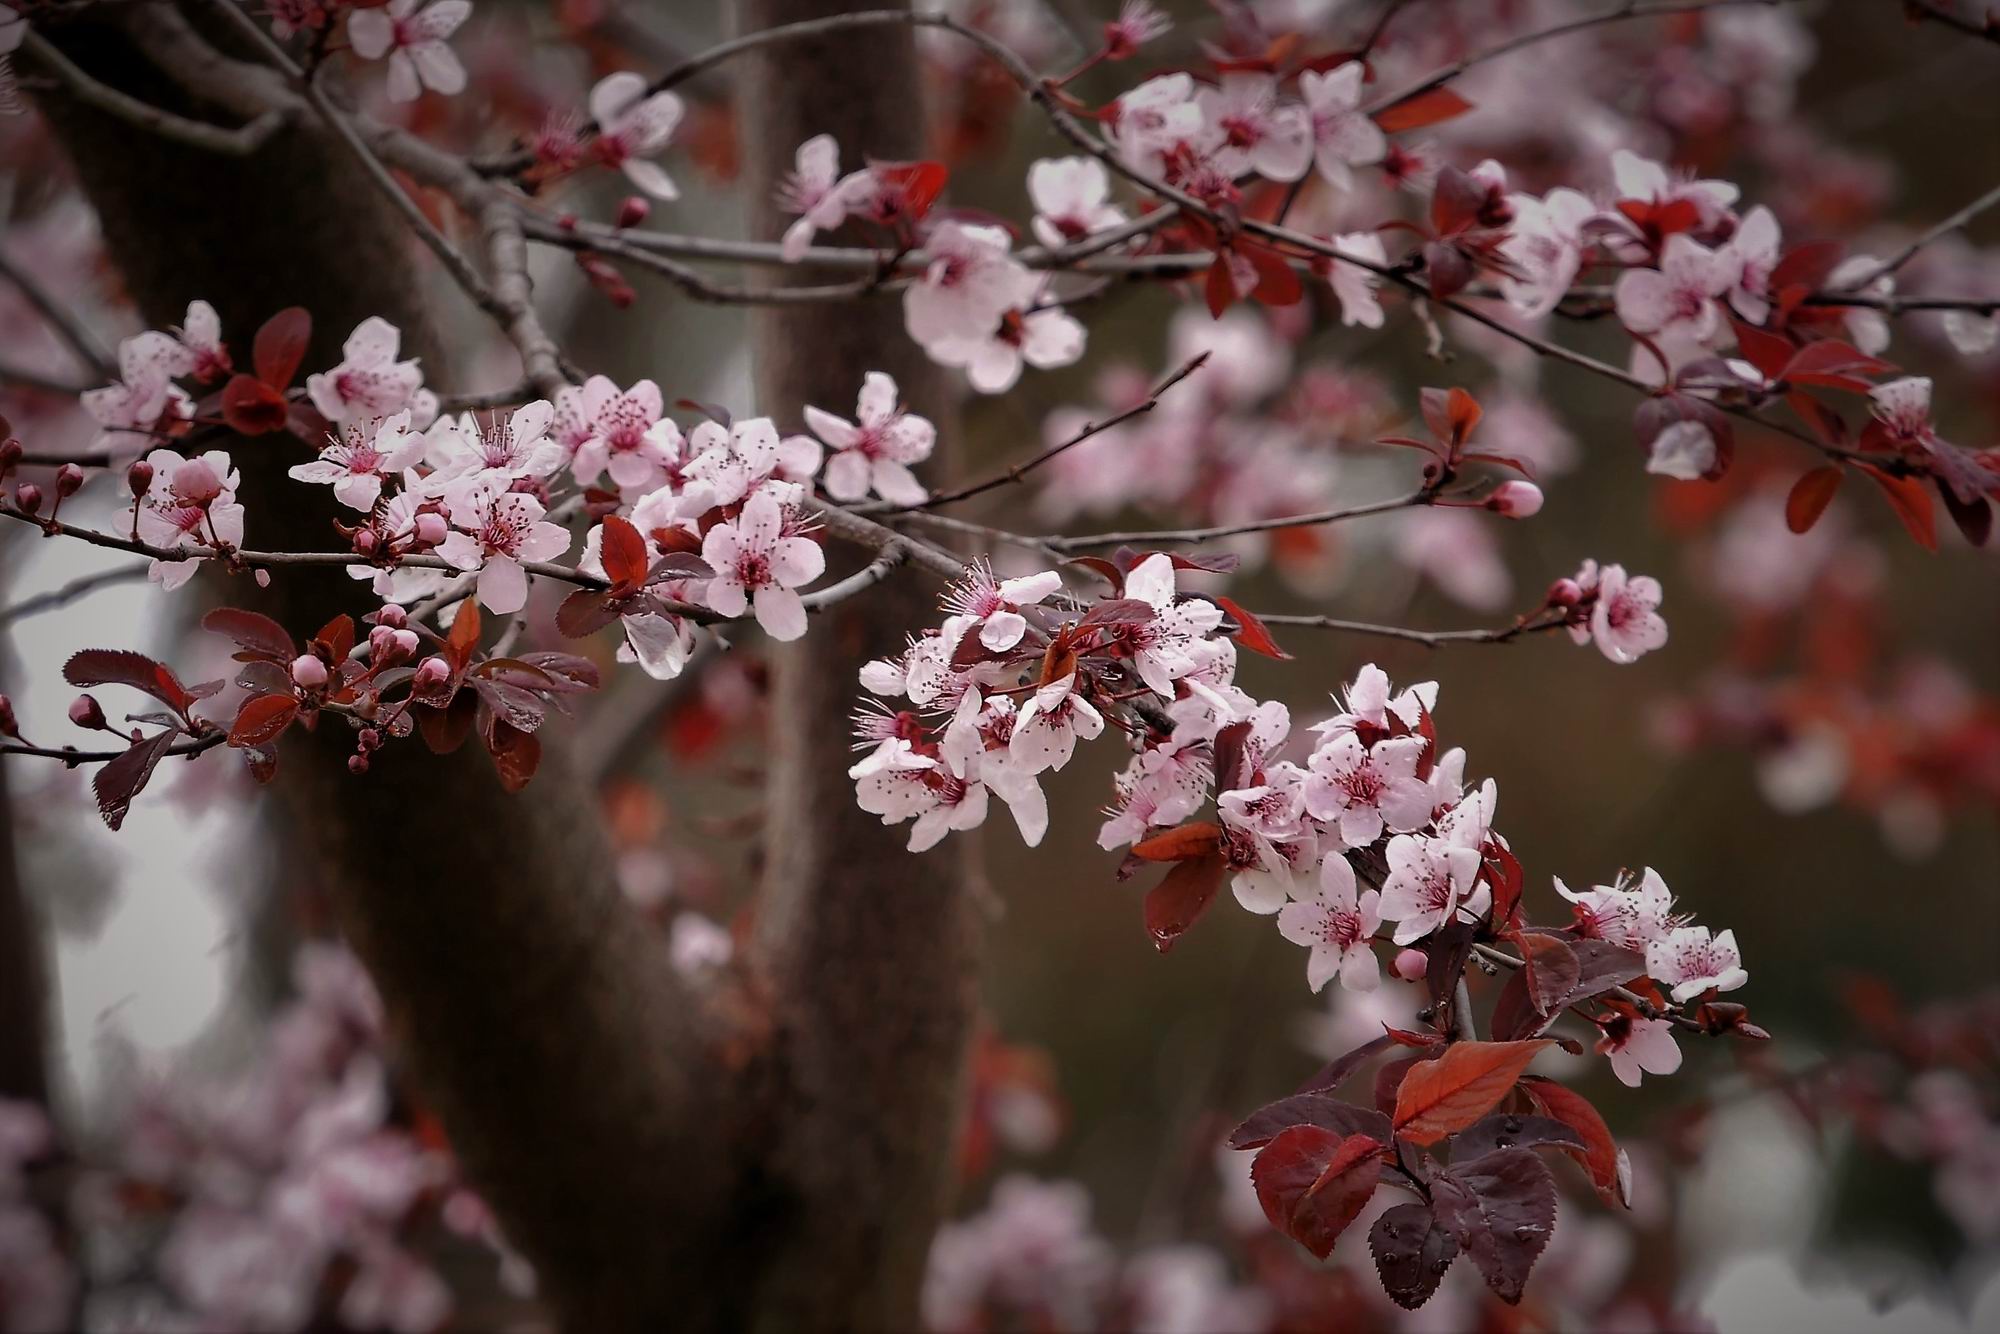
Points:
(1152, 536)
(70, 592)
(93, 354)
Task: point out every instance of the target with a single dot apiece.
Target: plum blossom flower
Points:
(1070, 195)
(357, 459)
(757, 565)
(1639, 1046)
(414, 40)
(1686, 451)
(995, 605)
(1903, 406)
(1753, 250)
(1155, 119)
(1678, 300)
(1355, 286)
(1428, 879)
(1045, 339)
(1627, 915)
(1545, 247)
(731, 461)
(877, 448)
(1162, 648)
(1867, 328)
(144, 401)
(1690, 961)
(1250, 129)
(1343, 135)
(464, 455)
(628, 435)
(189, 506)
(1138, 22)
(495, 533)
(200, 338)
(1624, 619)
(1645, 181)
(1048, 725)
(369, 381)
(1370, 699)
(810, 192)
(1360, 790)
(1338, 926)
(632, 126)
(969, 284)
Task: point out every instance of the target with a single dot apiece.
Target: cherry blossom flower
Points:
(1338, 926)
(628, 435)
(1624, 621)
(1642, 180)
(1545, 248)
(1355, 286)
(1044, 339)
(995, 605)
(1249, 129)
(1048, 725)
(465, 455)
(877, 448)
(1155, 119)
(1678, 300)
(1638, 1046)
(970, 283)
(1867, 328)
(413, 39)
(1627, 915)
(495, 533)
(189, 506)
(1903, 406)
(1686, 451)
(1428, 879)
(1070, 196)
(731, 461)
(144, 401)
(1370, 699)
(1690, 961)
(1343, 135)
(810, 193)
(1754, 250)
(369, 381)
(757, 565)
(360, 456)
(200, 338)
(632, 126)
(1162, 647)
(1360, 790)
(1138, 22)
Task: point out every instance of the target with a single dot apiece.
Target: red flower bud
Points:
(1516, 500)
(432, 672)
(69, 480)
(632, 211)
(431, 528)
(139, 477)
(8, 727)
(1410, 965)
(85, 712)
(392, 616)
(28, 498)
(10, 453)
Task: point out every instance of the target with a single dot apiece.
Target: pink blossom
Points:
(730, 462)
(414, 40)
(1645, 181)
(1624, 621)
(1690, 961)
(1353, 285)
(360, 456)
(1070, 196)
(1343, 135)
(627, 435)
(1250, 129)
(200, 337)
(877, 449)
(1138, 22)
(495, 533)
(1515, 499)
(1639, 1045)
(1678, 300)
(633, 126)
(1428, 879)
(1163, 646)
(1048, 725)
(757, 565)
(1361, 790)
(970, 282)
(1685, 451)
(1338, 926)
(1627, 915)
(1154, 119)
(1545, 246)
(190, 506)
(1044, 338)
(995, 605)
(369, 381)
(144, 401)
(1754, 250)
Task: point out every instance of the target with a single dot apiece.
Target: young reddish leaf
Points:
(254, 634)
(280, 345)
(1431, 108)
(261, 719)
(1307, 1109)
(1974, 518)
(122, 667)
(1198, 838)
(1833, 364)
(624, 554)
(585, 612)
(445, 730)
(464, 636)
(1335, 1072)
(920, 182)
(567, 673)
(1277, 283)
(1509, 1131)
(1412, 1251)
(1599, 1153)
(1450, 1093)
(1910, 501)
(1219, 288)
(1808, 265)
(1230, 762)
(1502, 1210)
(1179, 900)
(1313, 1182)
(251, 407)
(516, 754)
(1552, 970)
(1768, 352)
(1253, 635)
(124, 778)
(1810, 496)
(336, 638)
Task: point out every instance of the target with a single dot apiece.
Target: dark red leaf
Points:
(1810, 496)
(1768, 352)
(567, 672)
(1808, 265)
(1219, 288)
(280, 345)
(251, 407)
(261, 719)
(1229, 760)
(445, 730)
(1179, 900)
(335, 639)
(1910, 501)
(1335, 1072)
(1974, 518)
(1450, 1093)
(463, 639)
(1313, 1182)
(1199, 838)
(516, 755)
(124, 778)
(1253, 635)
(1833, 364)
(1510, 1131)
(1501, 1208)
(106, 666)
(624, 555)
(1412, 1252)
(1307, 1109)
(251, 632)
(584, 613)
(1431, 108)
(1599, 1153)
(1552, 970)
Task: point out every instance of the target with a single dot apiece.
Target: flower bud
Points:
(632, 211)
(28, 498)
(85, 712)
(10, 453)
(69, 480)
(392, 615)
(432, 672)
(364, 541)
(308, 672)
(1564, 593)
(1516, 500)
(139, 477)
(406, 643)
(368, 739)
(357, 764)
(8, 727)
(1410, 965)
(431, 528)
(196, 483)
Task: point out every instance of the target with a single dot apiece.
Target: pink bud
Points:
(365, 540)
(308, 672)
(10, 454)
(1516, 500)
(8, 727)
(392, 616)
(69, 480)
(1564, 593)
(432, 672)
(28, 497)
(632, 211)
(406, 643)
(1410, 965)
(431, 528)
(196, 483)
(357, 764)
(139, 477)
(85, 713)
(368, 739)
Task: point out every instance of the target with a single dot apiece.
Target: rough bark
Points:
(872, 951)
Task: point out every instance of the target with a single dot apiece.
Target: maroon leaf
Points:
(1509, 1131)
(1974, 517)
(1179, 900)
(445, 730)
(1335, 1072)
(1910, 501)
(1307, 1109)
(567, 672)
(254, 634)
(280, 345)
(1118, 611)
(1197, 838)
(584, 613)
(260, 720)
(124, 778)
(1252, 635)
(1552, 970)
(1450, 1093)
(516, 755)
(1389, 1077)
(1501, 1208)
(1412, 1251)
(335, 639)
(624, 555)
(105, 666)
(1833, 364)
(1599, 1153)
(251, 407)
(512, 705)
(1229, 761)
(1428, 108)
(1810, 496)
(1313, 1182)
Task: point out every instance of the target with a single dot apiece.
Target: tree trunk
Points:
(23, 977)
(873, 950)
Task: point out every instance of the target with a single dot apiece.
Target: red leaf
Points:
(1198, 838)
(1179, 900)
(516, 754)
(260, 720)
(104, 666)
(1412, 1252)
(336, 638)
(1277, 283)
(1312, 1183)
(624, 554)
(254, 634)
(1414, 113)
(1599, 1155)
(1450, 1093)
(1253, 636)
(1833, 364)
(251, 407)
(1552, 970)
(280, 346)
(585, 612)
(1220, 286)
(445, 730)
(464, 636)
(921, 183)
(1502, 1210)
(1451, 415)
(1911, 502)
(1307, 1109)
(126, 777)
(1810, 496)
(1768, 352)
(1808, 265)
